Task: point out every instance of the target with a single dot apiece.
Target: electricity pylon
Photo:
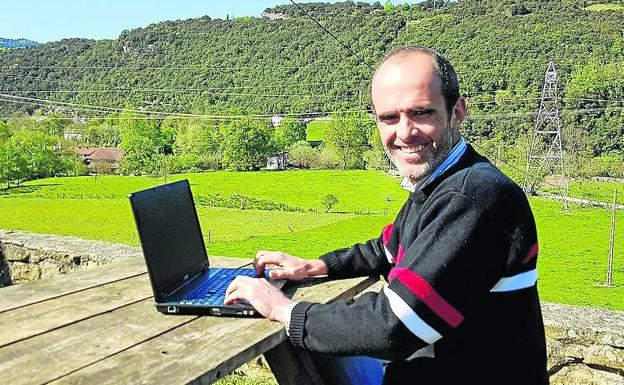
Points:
(545, 155)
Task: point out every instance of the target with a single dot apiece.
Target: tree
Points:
(35, 155)
(375, 158)
(288, 132)
(6, 163)
(347, 135)
(29, 155)
(164, 167)
(54, 125)
(246, 144)
(5, 134)
(388, 6)
(98, 133)
(328, 201)
(141, 140)
(198, 137)
(301, 154)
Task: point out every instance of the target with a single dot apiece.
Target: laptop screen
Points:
(170, 235)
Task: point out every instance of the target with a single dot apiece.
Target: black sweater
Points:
(461, 305)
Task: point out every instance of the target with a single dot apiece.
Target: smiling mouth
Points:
(413, 149)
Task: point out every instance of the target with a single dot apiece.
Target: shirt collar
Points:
(453, 157)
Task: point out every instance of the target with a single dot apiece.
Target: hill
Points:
(283, 63)
(17, 43)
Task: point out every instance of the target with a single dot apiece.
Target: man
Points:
(461, 304)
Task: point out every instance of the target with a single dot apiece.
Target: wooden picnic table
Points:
(100, 326)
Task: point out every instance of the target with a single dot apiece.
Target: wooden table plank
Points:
(54, 354)
(27, 293)
(204, 349)
(32, 320)
(57, 311)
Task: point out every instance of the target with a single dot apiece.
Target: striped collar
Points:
(452, 159)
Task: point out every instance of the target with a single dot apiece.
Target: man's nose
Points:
(406, 128)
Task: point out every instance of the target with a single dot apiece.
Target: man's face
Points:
(411, 115)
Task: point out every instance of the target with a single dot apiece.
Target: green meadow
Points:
(605, 7)
(315, 130)
(574, 246)
(596, 190)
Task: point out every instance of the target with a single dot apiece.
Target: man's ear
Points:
(459, 111)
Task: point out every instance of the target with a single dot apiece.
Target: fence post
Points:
(611, 251)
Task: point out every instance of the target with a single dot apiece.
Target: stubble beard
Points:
(424, 170)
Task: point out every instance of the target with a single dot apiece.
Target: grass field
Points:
(303, 189)
(573, 254)
(605, 7)
(595, 190)
(316, 130)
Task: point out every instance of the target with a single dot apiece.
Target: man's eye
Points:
(388, 118)
(426, 112)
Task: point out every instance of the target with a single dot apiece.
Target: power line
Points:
(137, 69)
(96, 108)
(321, 96)
(332, 35)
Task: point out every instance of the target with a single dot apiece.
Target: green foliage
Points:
(388, 6)
(141, 140)
(302, 155)
(243, 202)
(54, 125)
(29, 155)
(328, 201)
(246, 144)
(164, 167)
(375, 158)
(328, 158)
(347, 135)
(97, 133)
(288, 132)
(283, 67)
(5, 134)
(196, 137)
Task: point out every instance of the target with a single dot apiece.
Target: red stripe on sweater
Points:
(423, 290)
(400, 254)
(532, 253)
(385, 234)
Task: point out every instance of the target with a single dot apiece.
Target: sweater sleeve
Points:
(457, 256)
(374, 257)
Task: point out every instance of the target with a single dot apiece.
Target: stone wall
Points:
(26, 257)
(585, 345)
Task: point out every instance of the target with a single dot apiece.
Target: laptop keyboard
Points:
(212, 291)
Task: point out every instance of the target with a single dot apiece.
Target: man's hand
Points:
(289, 267)
(264, 297)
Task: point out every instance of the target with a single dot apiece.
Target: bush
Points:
(328, 159)
(302, 155)
(185, 163)
(375, 160)
(328, 201)
(102, 168)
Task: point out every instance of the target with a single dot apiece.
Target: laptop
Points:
(175, 254)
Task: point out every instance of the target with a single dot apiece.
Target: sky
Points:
(51, 20)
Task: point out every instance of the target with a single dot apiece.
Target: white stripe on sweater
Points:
(516, 282)
(410, 319)
(389, 255)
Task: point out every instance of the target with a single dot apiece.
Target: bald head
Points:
(422, 63)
